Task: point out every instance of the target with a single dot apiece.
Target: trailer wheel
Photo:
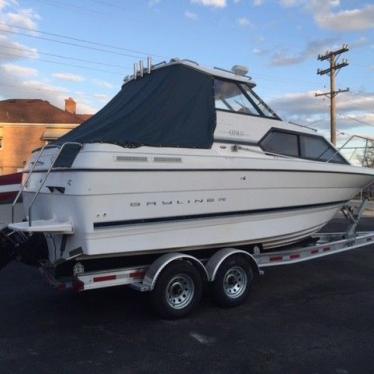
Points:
(177, 291)
(233, 281)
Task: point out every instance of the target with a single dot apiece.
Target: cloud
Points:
(211, 3)
(5, 3)
(102, 97)
(348, 20)
(14, 85)
(23, 18)
(290, 3)
(11, 51)
(258, 2)
(190, 15)
(306, 104)
(260, 51)
(312, 49)
(152, 3)
(244, 22)
(101, 83)
(342, 20)
(68, 77)
(17, 81)
(20, 70)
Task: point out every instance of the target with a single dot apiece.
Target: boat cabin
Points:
(182, 104)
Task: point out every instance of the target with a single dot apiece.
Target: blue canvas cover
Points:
(171, 107)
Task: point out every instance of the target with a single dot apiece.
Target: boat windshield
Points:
(239, 98)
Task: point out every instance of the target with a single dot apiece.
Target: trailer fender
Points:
(160, 264)
(217, 259)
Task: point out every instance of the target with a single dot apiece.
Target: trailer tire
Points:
(177, 291)
(233, 281)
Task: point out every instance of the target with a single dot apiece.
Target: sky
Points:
(53, 49)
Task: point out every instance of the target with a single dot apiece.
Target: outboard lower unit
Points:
(19, 246)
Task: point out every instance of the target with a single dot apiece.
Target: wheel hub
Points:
(180, 291)
(235, 282)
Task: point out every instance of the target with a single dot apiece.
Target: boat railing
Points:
(366, 159)
(30, 171)
(51, 167)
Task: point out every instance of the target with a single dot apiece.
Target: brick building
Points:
(28, 124)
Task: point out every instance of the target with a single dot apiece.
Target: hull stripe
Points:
(60, 170)
(8, 197)
(212, 215)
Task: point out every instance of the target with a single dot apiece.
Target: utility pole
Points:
(335, 66)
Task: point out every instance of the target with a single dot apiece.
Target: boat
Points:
(184, 158)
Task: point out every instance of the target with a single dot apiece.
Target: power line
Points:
(63, 57)
(83, 40)
(64, 64)
(44, 89)
(358, 120)
(69, 43)
(109, 4)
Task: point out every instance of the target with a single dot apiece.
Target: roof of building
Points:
(36, 111)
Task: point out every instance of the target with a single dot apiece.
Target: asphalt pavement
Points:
(314, 317)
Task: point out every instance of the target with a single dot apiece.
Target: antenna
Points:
(149, 64)
(141, 69)
(135, 70)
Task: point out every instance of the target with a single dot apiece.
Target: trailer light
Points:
(326, 249)
(314, 251)
(294, 256)
(104, 278)
(276, 258)
(137, 274)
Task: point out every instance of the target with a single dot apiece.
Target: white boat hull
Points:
(126, 211)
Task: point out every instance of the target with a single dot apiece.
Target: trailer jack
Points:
(353, 217)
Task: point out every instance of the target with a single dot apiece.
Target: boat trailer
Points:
(147, 275)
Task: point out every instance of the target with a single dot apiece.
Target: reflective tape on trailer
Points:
(111, 278)
(320, 250)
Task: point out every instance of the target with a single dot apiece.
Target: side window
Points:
(300, 145)
(316, 148)
(281, 143)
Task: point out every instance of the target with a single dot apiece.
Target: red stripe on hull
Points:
(7, 197)
(10, 179)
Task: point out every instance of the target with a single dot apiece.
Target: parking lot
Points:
(314, 317)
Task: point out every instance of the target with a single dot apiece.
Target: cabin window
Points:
(311, 147)
(317, 148)
(230, 96)
(281, 143)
